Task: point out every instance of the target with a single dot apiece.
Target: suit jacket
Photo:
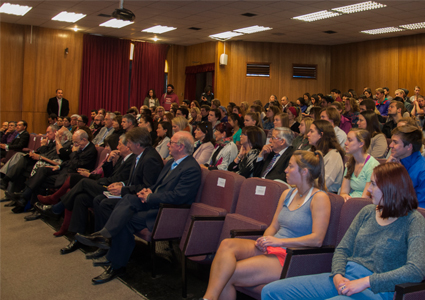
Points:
(178, 187)
(85, 159)
(20, 142)
(146, 173)
(278, 170)
(117, 173)
(52, 107)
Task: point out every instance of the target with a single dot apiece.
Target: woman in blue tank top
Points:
(301, 220)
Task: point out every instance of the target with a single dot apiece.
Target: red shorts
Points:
(279, 252)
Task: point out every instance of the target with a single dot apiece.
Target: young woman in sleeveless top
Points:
(301, 220)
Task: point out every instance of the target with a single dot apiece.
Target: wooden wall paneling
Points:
(412, 62)
(200, 54)
(12, 68)
(176, 69)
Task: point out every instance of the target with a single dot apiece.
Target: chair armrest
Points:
(406, 288)
(166, 205)
(245, 232)
(170, 222)
(208, 218)
(310, 250)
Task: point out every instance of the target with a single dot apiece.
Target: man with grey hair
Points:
(178, 184)
(106, 130)
(83, 156)
(274, 157)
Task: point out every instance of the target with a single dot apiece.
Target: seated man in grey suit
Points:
(177, 183)
(274, 157)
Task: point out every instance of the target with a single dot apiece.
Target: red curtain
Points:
(190, 84)
(147, 71)
(105, 74)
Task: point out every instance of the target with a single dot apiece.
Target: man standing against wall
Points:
(58, 105)
(168, 98)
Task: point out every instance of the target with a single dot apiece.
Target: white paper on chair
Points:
(221, 182)
(260, 190)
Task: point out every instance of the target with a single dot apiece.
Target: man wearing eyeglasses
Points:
(274, 157)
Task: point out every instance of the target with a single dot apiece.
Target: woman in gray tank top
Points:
(301, 220)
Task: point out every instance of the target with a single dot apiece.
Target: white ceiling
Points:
(219, 16)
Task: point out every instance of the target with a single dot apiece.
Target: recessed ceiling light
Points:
(14, 9)
(115, 23)
(320, 15)
(68, 17)
(158, 29)
(194, 28)
(155, 39)
(364, 6)
(413, 26)
(329, 31)
(252, 29)
(382, 30)
(248, 15)
(225, 35)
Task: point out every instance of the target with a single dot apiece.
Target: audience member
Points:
(351, 111)
(214, 117)
(301, 141)
(344, 123)
(151, 99)
(395, 111)
(147, 122)
(236, 122)
(360, 270)
(378, 146)
(322, 137)
(19, 142)
(128, 122)
(406, 143)
(134, 213)
(271, 112)
(159, 116)
(169, 98)
(274, 157)
(293, 123)
(96, 126)
(223, 111)
(369, 105)
(164, 132)
(359, 167)
(207, 96)
(180, 124)
(205, 111)
(203, 147)
(195, 115)
(251, 145)
(253, 119)
(225, 149)
(52, 119)
(382, 103)
(215, 103)
(58, 105)
(10, 133)
(326, 101)
(105, 131)
(301, 219)
(331, 115)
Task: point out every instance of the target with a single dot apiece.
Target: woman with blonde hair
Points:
(180, 124)
(301, 141)
(359, 167)
(301, 220)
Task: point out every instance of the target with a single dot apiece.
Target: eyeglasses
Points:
(275, 138)
(171, 142)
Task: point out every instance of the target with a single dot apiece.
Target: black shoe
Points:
(20, 206)
(97, 254)
(94, 239)
(5, 199)
(34, 216)
(74, 245)
(46, 210)
(10, 204)
(3, 184)
(100, 262)
(109, 274)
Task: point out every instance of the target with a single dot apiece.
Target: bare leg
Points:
(224, 264)
(251, 272)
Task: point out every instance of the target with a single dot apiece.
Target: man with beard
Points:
(168, 98)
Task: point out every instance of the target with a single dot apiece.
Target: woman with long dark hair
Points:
(164, 131)
(151, 99)
(368, 120)
(203, 145)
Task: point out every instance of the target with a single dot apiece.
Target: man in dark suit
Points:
(20, 141)
(278, 152)
(58, 105)
(83, 155)
(178, 183)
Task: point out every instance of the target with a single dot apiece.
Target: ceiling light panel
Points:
(225, 35)
(364, 6)
(252, 29)
(413, 26)
(14, 9)
(159, 29)
(68, 17)
(320, 15)
(115, 23)
(382, 30)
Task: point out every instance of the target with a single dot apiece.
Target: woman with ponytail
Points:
(360, 165)
(253, 119)
(301, 220)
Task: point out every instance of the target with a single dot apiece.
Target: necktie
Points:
(271, 164)
(134, 170)
(174, 164)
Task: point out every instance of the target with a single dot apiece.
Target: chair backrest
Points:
(38, 141)
(381, 160)
(349, 210)
(336, 205)
(257, 203)
(32, 142)
(205, 172)
(221, 189)
(101, 154)
(422, 211)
